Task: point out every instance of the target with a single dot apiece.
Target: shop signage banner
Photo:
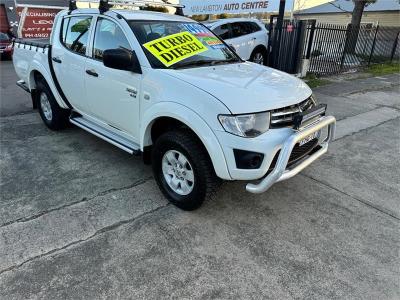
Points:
(212, 7)
(36, 22)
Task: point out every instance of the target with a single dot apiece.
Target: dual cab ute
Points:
(165, 86)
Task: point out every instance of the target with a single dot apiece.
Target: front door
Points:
(113, 95)
(69, 59)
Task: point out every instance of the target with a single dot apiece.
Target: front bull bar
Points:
(280, 172)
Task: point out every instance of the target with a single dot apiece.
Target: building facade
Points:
(382, 12)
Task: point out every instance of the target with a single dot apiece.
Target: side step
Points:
(106, 135)
(22, 84)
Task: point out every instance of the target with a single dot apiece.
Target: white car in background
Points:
(248, 37)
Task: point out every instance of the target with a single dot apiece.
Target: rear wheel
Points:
(259, 56)
(183, 169)
(52, 114)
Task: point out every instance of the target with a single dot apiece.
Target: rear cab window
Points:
(75, 33)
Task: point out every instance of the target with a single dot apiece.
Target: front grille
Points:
(297, 154)
(283, 117)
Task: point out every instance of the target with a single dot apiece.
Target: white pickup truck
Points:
(166, 87)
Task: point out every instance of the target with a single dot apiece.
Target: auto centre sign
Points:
(204, 7)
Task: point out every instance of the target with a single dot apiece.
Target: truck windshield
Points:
(181, 44)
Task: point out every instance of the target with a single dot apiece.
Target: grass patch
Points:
(314, 81)
(384, 69)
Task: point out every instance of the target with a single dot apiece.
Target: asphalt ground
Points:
(80, 219)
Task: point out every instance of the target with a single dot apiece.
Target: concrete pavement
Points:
(13, 100)
(80, 219)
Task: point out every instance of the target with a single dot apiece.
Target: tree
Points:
(358, 10)
(222, 16)
(155, 8)
(356, 17)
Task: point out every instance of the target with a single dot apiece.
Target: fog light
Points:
(247, 159)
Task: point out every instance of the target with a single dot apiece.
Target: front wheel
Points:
(183, 169)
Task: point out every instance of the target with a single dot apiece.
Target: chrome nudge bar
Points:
(280, 172)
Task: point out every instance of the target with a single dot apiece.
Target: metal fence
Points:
(285, 45)
(330, 48)
(334, 49)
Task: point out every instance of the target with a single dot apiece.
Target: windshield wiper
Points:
(210, 62)
(228, 61)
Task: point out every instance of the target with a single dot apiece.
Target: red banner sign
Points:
(36, 22)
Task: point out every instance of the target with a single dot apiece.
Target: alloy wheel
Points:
(46, 107)
(178, 172)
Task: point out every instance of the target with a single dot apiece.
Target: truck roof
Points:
(130, 14)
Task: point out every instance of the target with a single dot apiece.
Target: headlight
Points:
(250, 125)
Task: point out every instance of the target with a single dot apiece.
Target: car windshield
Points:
(181, 44)
(4, 37)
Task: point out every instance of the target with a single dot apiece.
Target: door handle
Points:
(92, 73)
(57, 60)
(132, 92)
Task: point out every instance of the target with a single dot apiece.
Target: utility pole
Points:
(278, 32)
(292, 11)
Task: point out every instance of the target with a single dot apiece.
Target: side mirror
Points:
(122, 59)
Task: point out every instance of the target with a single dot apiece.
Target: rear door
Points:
(113, 95)
(260, 36)
(69, 56)
(242, 39)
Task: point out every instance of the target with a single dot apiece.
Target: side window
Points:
(222, 31)
(108, 35)
(75, 33)
(240, 28)
(254, 27)
(236, 30)
(247, 29)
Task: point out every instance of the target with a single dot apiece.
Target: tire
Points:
(259, 56)
(182, 145)
(55, 117)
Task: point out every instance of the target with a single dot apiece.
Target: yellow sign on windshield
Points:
(175, 47)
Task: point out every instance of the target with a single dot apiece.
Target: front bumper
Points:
(281, 171)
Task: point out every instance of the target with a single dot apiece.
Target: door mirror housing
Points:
(122, 59)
